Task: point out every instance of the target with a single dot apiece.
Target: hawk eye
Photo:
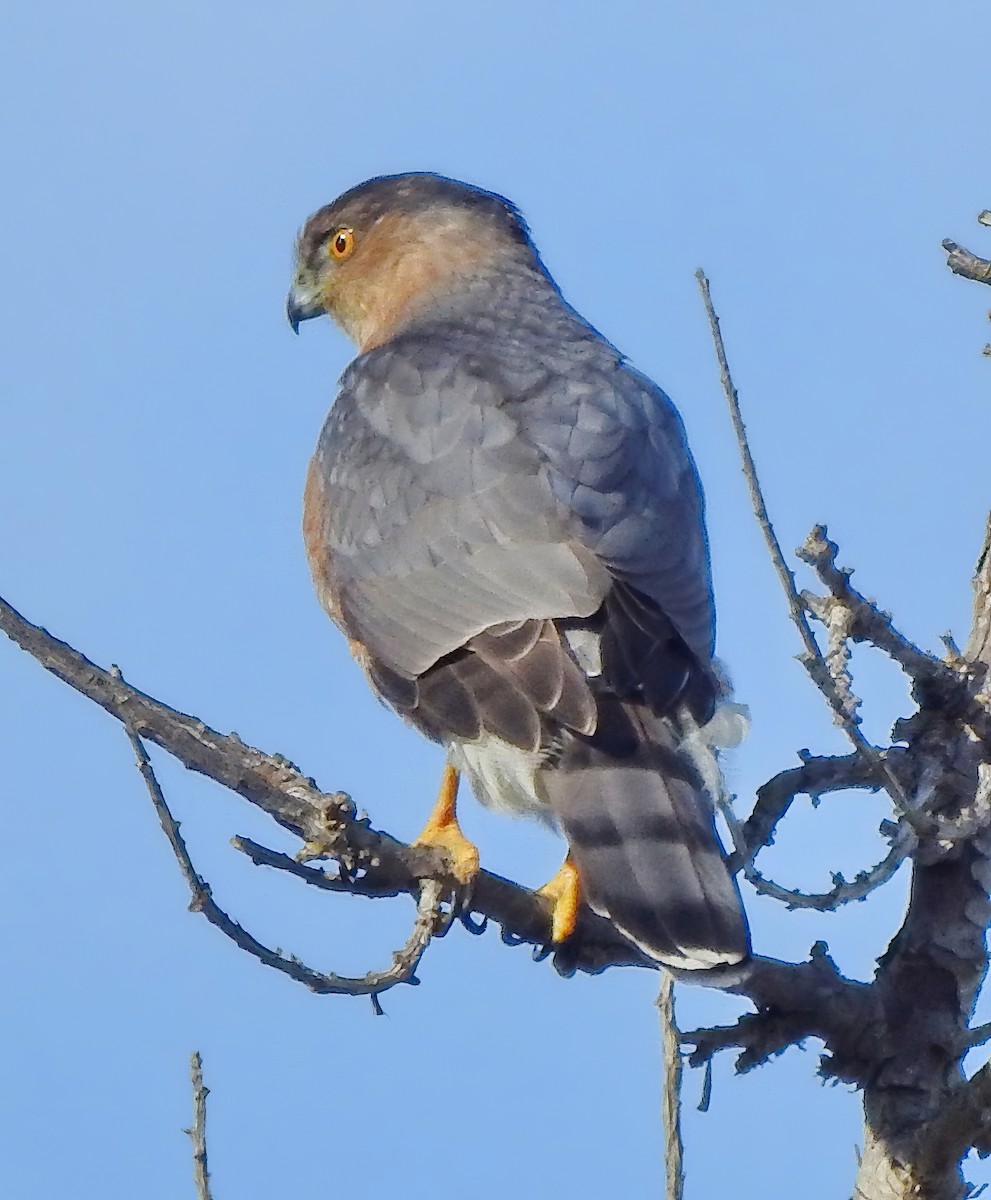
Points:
(341, 244)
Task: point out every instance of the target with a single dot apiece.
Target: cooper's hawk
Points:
(504, 519)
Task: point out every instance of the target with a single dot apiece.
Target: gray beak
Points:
(302, 303)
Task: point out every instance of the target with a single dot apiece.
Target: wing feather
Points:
(453, 519)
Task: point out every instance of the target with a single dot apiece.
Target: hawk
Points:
(503, 517)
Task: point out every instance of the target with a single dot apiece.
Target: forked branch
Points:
(404, 961)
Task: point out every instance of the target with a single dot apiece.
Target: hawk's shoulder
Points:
(619, 461)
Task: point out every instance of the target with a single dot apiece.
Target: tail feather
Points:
(641, 831)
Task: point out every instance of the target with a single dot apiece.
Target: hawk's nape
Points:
(505, 520)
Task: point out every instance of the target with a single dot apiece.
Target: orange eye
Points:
(341, 244)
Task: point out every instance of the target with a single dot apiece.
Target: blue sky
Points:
(158, 417)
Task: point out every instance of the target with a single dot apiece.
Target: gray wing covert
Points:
(429, 519)
(620, 462)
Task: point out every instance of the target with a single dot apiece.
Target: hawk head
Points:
(395, 245)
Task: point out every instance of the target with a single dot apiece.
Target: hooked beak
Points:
(302, 303)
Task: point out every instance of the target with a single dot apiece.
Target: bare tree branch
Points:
(918, 1111)
(404, 961)
(842, 891)
(326, 822)
(197, 1133)
(977, 1036)
(376, 864)
(816, 777)
(810, 999)
(963, 262)
(758, 1036)
(940, 782)
(865, 622)
(812, 659)
(674, 1150)
(967, 264)
(262, 856)
(781, 567)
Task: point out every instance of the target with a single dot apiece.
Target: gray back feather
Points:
(477, 471)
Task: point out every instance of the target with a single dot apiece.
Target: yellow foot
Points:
(442, 830)
(565, 894)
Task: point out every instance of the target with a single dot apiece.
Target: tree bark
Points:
(920, 1114)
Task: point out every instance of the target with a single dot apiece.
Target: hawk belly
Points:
(502, 776)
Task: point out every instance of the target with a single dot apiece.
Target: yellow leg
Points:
(442, 830)
(565, 894)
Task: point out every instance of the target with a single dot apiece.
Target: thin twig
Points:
(674, 1171)
(842, 892)
(344, 882)
(750, 473)
(812, 660)
(404, 961)
(817, 776)
(197, 1133)
(262, 856)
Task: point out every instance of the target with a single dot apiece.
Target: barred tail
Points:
(639, 823)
